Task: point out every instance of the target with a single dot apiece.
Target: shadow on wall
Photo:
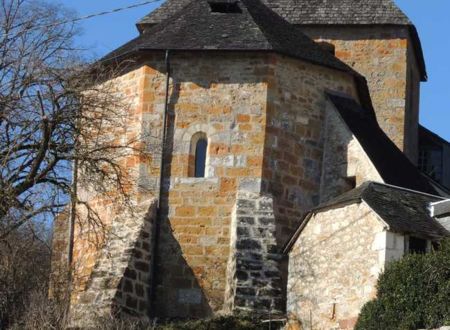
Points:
(121, 278)
(178, 293)
(226, 85)
(306, 158)
(319, 289)
(179, 284)
(133, 292)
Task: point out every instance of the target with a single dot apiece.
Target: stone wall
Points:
(294, 139)
(90, 233)
(120, 281)
(334, 267)
(263, 117)
(222, 96)
(59, 277)
(344, 159)
(254, 273)
(385, 56)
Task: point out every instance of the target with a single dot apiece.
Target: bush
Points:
(41, 313)
(24, 273)
(220, 323)
(242, 322)
(413, 293)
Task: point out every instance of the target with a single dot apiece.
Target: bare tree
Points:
(55, 111)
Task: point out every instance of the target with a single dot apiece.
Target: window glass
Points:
(200, 158)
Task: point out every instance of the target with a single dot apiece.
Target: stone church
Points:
(288, 152)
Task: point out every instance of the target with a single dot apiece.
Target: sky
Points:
(103, 34)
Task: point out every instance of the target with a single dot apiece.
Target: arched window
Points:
(200, 158)
(197, 157)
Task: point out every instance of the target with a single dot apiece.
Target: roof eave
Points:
(148, 49)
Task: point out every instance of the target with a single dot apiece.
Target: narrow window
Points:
(200, 158)
(197, 155)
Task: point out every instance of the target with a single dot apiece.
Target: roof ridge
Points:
(407, 189)
(302, 12)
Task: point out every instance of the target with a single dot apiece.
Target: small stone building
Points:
(272, 107)
(341, 247)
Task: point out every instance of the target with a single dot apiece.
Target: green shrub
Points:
(240, 322)
(219, 323)
(413, 293)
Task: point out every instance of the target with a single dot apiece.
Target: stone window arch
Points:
(198, 155)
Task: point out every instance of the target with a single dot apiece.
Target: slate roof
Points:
(391, 163)
(256, 28)
(404, 211)
(318, 12)
(324, 12)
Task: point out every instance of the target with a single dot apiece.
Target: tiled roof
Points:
(311, 11)
(404, 211)
(255, 28)
(391, 163)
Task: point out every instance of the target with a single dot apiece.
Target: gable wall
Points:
(294, 142)
(343, 157)
(383, 55)
(334, 266)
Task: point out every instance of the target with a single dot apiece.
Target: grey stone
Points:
(248, 244)
(189, 296)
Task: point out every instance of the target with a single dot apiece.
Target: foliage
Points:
(40, 313)
(242, 322)
(413, 293)
(54, 112)
(220, 323)
(24, 269)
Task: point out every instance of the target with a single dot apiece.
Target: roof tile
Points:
(311, 11)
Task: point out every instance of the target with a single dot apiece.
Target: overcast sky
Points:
(431, 17)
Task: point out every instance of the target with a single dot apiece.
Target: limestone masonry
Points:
(267, 119)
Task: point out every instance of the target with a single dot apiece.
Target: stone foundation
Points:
(121, 279)
(254, 275)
